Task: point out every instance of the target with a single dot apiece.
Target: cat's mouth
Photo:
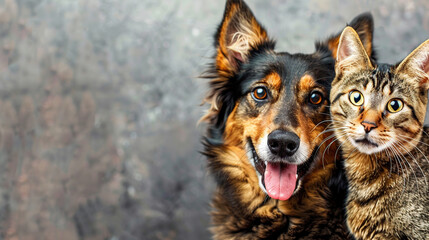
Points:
(366, 142)
(367, 145)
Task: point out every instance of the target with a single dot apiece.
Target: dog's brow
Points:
(306, 82)
(274, 80)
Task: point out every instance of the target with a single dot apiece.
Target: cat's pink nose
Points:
(368, 126)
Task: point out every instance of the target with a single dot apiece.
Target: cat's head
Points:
(377, 108)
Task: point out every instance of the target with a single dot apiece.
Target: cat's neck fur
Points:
(363, 169)
(377, 182)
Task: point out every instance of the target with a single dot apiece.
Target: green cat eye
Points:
(356, 98)
(395, 105)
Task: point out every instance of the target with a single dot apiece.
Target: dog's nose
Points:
(283, 143)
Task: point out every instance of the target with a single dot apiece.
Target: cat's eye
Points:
(259, 93)
(395, 105)
(316, 98)
(356, 98)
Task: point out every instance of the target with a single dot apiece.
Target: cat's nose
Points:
(368, 126)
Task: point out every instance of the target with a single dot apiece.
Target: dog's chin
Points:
(261, 165)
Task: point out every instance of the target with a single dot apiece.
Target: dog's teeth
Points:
(296, 175)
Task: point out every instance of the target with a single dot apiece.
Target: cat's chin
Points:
(366, 146)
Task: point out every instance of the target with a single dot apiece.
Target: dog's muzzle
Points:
(280, 160)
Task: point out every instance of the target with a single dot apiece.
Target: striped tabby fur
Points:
(378, 114)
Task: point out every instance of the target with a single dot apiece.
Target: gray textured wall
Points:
(99, 101)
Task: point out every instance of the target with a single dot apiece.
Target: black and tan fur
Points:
(245, 59)
(385, 148)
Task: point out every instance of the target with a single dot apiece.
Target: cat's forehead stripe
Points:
(381, 77)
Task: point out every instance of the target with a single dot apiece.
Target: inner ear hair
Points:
(238, 33)
(241, 38)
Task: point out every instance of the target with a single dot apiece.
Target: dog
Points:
(266, 144)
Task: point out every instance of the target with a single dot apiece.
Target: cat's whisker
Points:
(336, 139)
(329, 126)
(416, 161)
(414, 142)
(332, 126)
(327, 114)
(399, 160)
(324, 121)
(323, 132)
(418, 165)
(405, 139)
(321, 144)
(414, 139)
(395, 159)
(351, 154)
(330, 130)
(405, 160)
(425, 132)
(338, 148)
(389, 152)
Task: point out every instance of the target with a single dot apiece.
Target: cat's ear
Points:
(351, 53)
(416, 65)
(363, 24)
(238, 34)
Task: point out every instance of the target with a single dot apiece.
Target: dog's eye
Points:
(395, 105)
(316, 98)
(260, 93)
(356, 98)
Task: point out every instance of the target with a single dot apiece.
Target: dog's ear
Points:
(415, 66)
(363, 24)
(238, 34)
(237, 37)
(351, 53)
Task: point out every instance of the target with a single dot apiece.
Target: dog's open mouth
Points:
(279, 180)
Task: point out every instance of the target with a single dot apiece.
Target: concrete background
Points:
(99, 103)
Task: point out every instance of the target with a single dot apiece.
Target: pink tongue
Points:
(280, 180)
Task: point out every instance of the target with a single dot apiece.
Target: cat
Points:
(377, 115)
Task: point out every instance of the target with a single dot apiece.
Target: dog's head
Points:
(272, 105)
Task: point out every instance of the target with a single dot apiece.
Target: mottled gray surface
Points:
(100, 103)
